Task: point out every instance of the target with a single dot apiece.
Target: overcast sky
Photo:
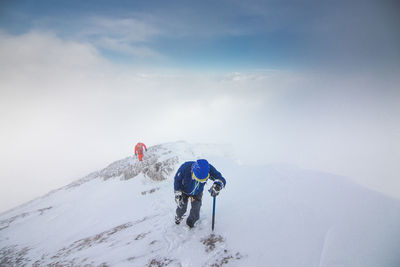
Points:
(309, 83)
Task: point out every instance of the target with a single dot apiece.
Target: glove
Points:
(214, 190)
(178, 198)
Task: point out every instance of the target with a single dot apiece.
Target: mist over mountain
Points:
(270, 215)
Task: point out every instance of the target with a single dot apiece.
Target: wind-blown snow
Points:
(266, 216)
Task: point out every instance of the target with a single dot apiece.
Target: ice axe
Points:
(213, 214)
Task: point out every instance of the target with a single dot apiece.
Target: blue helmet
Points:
(201, 170)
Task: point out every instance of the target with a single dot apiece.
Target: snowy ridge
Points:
(158, 163)
(266, 216)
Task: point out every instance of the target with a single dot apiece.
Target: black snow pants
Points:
(194, 210)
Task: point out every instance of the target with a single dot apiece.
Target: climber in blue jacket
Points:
(189, 183)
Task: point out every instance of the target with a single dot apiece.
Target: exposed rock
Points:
(211, 241)
(14, 256)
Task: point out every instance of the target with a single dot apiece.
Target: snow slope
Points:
(266, 216)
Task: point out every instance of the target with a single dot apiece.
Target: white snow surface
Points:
(269, 215)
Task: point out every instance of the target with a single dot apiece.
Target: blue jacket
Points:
(185, 183)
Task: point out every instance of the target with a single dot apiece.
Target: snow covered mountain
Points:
(266, 216)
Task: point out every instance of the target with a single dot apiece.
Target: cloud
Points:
(126, 48)
(65, 111)
(42, 41)
(341, 34)
(128, 36)
(128, 29)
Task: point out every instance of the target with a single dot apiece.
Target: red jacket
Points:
(139, 148)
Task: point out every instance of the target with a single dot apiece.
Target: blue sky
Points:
(220, 34)
(309, 83)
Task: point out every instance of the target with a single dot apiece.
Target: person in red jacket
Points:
(139, 150)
